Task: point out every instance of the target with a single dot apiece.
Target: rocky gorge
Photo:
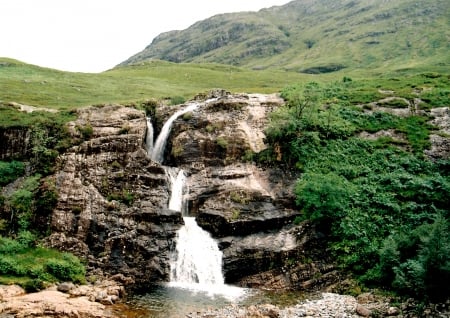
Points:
(112, 207)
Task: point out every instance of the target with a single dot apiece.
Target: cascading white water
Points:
(197, 263)
(149, 137)
(160, 144)
(177, 178)
(198, 258)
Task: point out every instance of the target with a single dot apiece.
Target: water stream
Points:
(197, 262)
(149, 136)
(160, 143)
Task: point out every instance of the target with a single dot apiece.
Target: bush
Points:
(359, 192)
(222, 142)
(417, 262)
(86, 131)
(67, 268)
(26, 239)
(324, 197)
(10, 171)
(10, 246)
(33, 285)
(8, 265)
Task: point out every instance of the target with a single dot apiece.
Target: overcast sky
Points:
(96, 35)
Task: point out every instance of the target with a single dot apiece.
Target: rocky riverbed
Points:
(332, 305)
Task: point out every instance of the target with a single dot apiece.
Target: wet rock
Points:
(363, 311)
(112, 198)
(393, 311)
(15, 143)
(65, 287)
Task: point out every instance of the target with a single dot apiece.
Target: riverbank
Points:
(63, 300)
(332, 305)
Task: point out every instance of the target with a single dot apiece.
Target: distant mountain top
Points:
(315, 36)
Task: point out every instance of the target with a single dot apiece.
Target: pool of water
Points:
(169, 301)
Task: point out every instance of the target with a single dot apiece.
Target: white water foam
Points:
(149, 137)
(160, 144)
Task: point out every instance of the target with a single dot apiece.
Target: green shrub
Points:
(26, 239)
(67, 268)
(188, 116)
(33, 285)
(9, 246)
(149, 106)
(222, 142)
(324, 197)
(124, 130)
(126, 197)
(8, 265)
(10, 171)
(86, 131)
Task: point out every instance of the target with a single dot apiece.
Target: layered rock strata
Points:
(112, 203)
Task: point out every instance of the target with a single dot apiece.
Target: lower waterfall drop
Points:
(197, 263)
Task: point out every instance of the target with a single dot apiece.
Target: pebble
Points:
(329, 306)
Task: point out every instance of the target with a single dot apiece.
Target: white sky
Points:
(96, 35)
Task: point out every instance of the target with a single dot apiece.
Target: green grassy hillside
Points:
(316, 36)
(37, 86)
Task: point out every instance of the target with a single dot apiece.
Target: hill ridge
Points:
(314, 37)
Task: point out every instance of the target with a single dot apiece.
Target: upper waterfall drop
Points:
(149, 137)
(160, 144)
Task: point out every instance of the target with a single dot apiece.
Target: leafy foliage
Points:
(33, 267)
(384, 207)
(10, 171)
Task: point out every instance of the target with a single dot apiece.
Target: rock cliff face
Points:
(112, 206)
(247, 208)
(14, 143)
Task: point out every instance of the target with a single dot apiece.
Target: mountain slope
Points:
(315, 36)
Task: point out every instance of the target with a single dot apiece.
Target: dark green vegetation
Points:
(31, 266)
(383, 205)
(27, 199)
(316, 36)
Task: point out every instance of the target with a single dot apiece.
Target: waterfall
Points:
(198, 258)
(160, 144)
(177, 179)
(197, 261)
(149, 137)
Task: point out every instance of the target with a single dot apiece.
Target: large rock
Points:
(80, 301)
(112, 203)
(248, 208)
